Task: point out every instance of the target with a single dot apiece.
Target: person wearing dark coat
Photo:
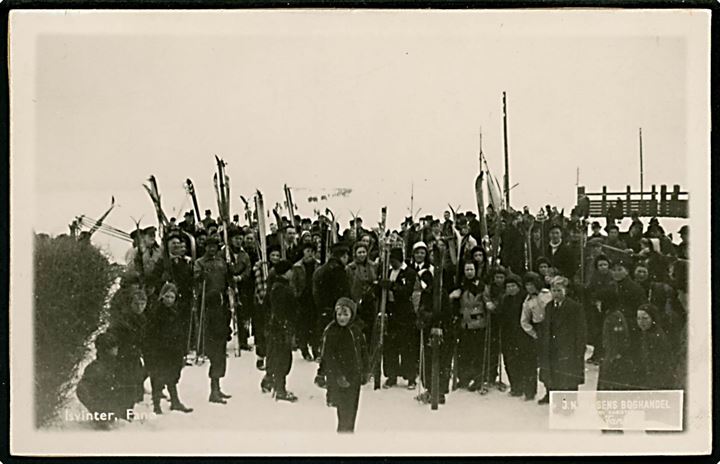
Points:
(347, 363)
(177, 268)
(241, 270)
(401, 350)
(127, 325)
(301, 283)
(600, 298)
(439, 324)
(672, 317)
(630, 294)
(562, 338)
(682, 249)
(164, 347)
(98, 389)
(281, 329)
(517, 346)
(616, 367)
(472, 313)
(330, 283)
(512, 252)
(652, 366)
(494, 294)
(211, 275)
(560, 254)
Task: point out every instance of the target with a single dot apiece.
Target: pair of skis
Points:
(221, 182)
(154, 193)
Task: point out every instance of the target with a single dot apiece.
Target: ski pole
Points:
(201, 324)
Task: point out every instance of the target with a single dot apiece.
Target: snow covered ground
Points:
(391, 410)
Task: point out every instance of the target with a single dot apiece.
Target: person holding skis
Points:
(469, 299)
(347, 363)
(401, 351)
(261, 310)
(212, 278)
(439, 324)
(281, 329)
(301, 283)
(241, 269)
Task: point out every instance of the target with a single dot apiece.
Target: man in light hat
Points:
(421, 265)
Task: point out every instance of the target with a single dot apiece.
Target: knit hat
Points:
(419, 245)
(282, 267)
(346, 302)
(513, 278)
(167, 288)
(397, 254)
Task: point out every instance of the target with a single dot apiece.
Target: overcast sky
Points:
(347, 102)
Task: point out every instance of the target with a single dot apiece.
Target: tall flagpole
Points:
(641, 165)
(507, 160)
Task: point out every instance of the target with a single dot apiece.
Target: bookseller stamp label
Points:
(658, 410)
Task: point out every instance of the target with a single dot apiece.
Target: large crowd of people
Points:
(520, 293)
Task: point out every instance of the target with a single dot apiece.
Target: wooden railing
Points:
(664, 203)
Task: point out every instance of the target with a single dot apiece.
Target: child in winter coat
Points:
(346, 359)
(98, 390)
(127, 325)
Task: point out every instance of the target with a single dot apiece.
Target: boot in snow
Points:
(175, 403)
(215, 392)
(266, 384)
(320, 381)
(285, 396)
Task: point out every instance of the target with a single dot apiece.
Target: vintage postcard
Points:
(360, 232)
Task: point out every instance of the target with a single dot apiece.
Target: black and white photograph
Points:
(360, 232)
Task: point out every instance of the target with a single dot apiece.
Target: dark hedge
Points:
(72, 280)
